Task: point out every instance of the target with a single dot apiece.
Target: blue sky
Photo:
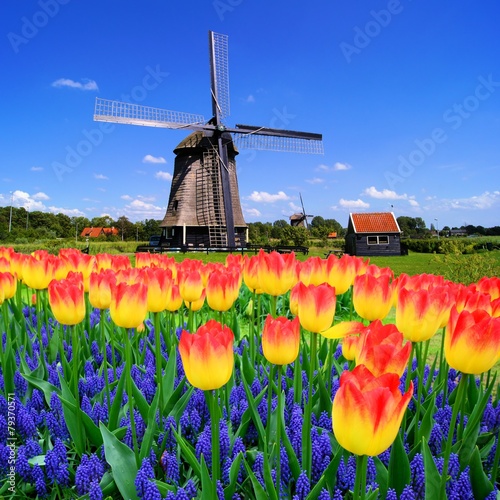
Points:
(405, 93)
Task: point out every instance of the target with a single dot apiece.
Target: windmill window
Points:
(175, 205)
(378, 240)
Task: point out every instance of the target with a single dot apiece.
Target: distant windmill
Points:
(300, 218)
(204, 207)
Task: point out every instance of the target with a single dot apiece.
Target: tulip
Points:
(129, 304)
(66, 298)
(37, 274)
(281, 340)
(316, 306)
(420, 313)
(222, 289)
(278, 273)
(158, 282)
(367, 411)
(208, 359)
(196, 305)
(350, 347)
(490, 286)
(472, 341)
(313, 271)
(78, 262)
(8, 285)
(100, 285)
(173, 297)
(341, 272)
(380, 348)
(190, 285)
(343, 329)
(372, 296)
(251, 273)
(207, 355)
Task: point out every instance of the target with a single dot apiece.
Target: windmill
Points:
(204, 207)
(300, 218)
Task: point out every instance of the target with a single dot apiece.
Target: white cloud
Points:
(263, 197)
(139, 210)
(153, 159)
(36, 169)
(353, 203)
(100, 177)
(70, 212)
(40, 196)
(385, 194)
(250, 98)
(164, 176)
(126, 197)
(252, 212)
(341, 166)
(315, 180)
(67, 82)
(483, 201)
(413, 203)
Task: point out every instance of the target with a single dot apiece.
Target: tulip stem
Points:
(307, 425)
(496, 461)
(128, 369)
(156, 318)
(278, 434)
(462, 385)
(360, 483)
(105, 358)
(214, 421)
(269, 404)
(251, 332)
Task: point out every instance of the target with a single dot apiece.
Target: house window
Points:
(378, 240)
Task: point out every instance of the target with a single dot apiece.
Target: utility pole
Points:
(10, 217)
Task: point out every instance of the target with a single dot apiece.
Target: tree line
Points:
(19, 225)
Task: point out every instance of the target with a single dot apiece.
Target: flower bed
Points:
(262, 378)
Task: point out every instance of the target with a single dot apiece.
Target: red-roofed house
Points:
(95, 232)
(375, 233)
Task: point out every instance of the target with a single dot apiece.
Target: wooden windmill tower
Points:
(299, 219)
(204, 207)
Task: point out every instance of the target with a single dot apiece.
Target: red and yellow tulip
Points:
(100, 285)
(420, 313)
(367, 411)
(372, 296)
(380, 348)
(278, 273)
(207, 355)
(472, 341)
(222, 289)
(315, 306)
(66, 298)
(281, 339)
(129, 304)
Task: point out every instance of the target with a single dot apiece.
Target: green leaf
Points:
(207, 486)
(121, 459)
(260, 493)
(73, 420)
(481, 485)
(140, 401)
(252, 405)
(268, 480)
(151, 428)
(233, 477)
(382, 477)
(47, 388)
(428, 420)
(432, 475)
(399, 466)
(330, 472)
(188, 453)
(116, 406)
(293, 461)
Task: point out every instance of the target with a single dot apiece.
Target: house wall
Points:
(357, 244)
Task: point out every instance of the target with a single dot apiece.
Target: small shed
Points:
(95, 232)
(373, 233)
